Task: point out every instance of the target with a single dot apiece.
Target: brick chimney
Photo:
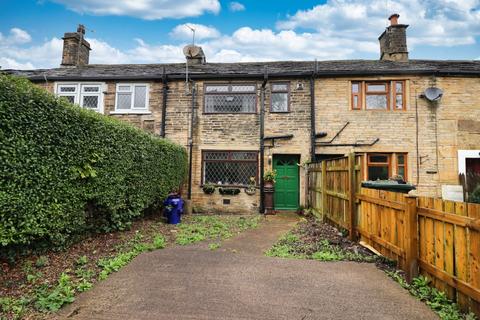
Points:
(393, 41)
(76, 50)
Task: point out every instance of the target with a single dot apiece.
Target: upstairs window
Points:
(280, 97)
(229, 167)
(230, 98)
(86, 95)
(378, 95)
(132, 98)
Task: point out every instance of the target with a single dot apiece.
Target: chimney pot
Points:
(394, 19)
(393, 41)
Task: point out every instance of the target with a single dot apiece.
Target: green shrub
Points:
(65, 170)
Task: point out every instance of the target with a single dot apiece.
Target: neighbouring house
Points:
(239, 119)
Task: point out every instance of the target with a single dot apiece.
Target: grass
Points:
(45, 296)
(213, 228)
(292, 245)
(437, 300)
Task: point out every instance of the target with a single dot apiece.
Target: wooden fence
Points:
(439, 239)
(332, 188)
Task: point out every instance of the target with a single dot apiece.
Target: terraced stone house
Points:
(239, 119)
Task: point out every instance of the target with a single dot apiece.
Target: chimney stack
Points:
(76, 50)
(194, 54)
(393, 41)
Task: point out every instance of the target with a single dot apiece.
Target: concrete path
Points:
(238, 282)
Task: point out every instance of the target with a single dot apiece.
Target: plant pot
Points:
(229, 191)
(208, 190)
(250, 191)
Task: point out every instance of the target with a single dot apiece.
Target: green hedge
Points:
(64, 169)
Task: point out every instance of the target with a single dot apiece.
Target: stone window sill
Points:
(131, 112)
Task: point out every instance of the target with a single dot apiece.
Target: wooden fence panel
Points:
(382, 223)
(332, 188)
(451, 250)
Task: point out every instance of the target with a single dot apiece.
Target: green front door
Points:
(287, 184)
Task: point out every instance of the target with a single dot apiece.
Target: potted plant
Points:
(229, 191)
(208, 188)
(251, 189)
(269, 178)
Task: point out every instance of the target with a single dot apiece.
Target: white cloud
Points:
(236, 6)
(432, 22)
(145, 9)
(8, 63)
(183, 32)
(16, 36)
(338, 29)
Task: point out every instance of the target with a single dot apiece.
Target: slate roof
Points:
(254, 70)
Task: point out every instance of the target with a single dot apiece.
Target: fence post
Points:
(411, 245)
(351, 195)
(324, 189)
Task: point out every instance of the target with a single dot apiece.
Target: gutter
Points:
(348, 144)
(313, 133)
(262, 140)
(164, 103)
(257, 76)
(190, 144)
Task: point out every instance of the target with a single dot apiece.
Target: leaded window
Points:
(131, 98)
(229, 167)
(230, 98)
(86, 95)
(280, 97)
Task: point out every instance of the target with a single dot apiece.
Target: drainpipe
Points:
(164, 103)
(262, 142)
(313, 133)
(190, 144)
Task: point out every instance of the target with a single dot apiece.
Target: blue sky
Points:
(154, 31)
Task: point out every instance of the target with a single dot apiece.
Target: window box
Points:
(229, 191)
(132, 98)
(230, 98)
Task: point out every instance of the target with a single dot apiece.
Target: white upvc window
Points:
(132, 98)
(88, 95)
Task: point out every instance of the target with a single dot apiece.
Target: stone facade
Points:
(443, 128)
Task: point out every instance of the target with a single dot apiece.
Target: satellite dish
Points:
(433, 94)
(191, 51)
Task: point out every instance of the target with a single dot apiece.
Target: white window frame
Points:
(79, 94)
(132, 110)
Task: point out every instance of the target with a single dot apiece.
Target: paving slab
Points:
(237, 282)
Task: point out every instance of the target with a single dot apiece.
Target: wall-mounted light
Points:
(269, 160)
(299, 85)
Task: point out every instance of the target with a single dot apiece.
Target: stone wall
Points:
(397, 129)
(451, 125)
